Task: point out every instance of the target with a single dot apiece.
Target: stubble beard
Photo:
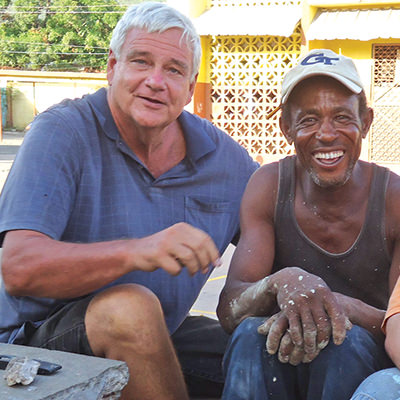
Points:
(331, 183)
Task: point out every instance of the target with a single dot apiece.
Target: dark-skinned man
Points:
(319, 249)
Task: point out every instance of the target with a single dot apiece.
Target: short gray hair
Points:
(157, 17)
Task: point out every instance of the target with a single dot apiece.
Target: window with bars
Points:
(385, 143)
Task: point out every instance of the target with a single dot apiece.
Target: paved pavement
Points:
(208, 299)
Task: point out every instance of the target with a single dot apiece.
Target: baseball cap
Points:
(322, 62)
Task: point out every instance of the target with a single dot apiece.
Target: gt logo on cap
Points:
(318, 59)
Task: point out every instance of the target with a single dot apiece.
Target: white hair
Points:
(157, 17)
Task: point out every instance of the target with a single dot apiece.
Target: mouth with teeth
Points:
(329, 158)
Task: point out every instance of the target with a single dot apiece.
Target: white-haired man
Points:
(116, 209)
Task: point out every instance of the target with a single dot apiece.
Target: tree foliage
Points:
(57, 34)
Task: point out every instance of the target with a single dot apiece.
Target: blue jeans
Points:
(252, 374)
(382, 385)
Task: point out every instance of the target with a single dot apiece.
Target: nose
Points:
(155, 79)
(326, 131)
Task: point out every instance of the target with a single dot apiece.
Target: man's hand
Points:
(280, 341)
(310, 312)
(178, 246)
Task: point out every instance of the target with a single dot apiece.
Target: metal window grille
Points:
(385, 133)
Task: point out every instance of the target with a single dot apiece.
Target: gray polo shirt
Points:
(74, 179)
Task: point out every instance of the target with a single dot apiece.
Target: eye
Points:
(342, 118)
(307, 121)
(175, 71)
(138, 61)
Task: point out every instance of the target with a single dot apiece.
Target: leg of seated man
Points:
(251, 373)
(382, 385)
(200, 343)
(125, 323)
(338, 370)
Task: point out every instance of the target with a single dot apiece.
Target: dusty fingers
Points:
(274, 328)
(279, 341)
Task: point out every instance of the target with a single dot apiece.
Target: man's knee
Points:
(359, 353)
(246, 339)
(359, 342)
(382, 385)
(124, 313)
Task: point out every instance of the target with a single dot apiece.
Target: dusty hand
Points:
(279, 341)
(178, 246)
(312, 310)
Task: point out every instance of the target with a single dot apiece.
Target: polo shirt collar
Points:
(198, 143)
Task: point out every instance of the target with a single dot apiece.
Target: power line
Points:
(73, 9)
(70, 6)
(64, 12)
(58, 53)
(51, 44)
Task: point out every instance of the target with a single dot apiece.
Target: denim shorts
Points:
(199, 342)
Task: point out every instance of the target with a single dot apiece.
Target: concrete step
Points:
(80, 378)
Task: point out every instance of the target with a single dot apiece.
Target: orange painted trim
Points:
(202, 100)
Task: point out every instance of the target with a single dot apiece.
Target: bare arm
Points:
(35, 265)
(247, 290)
(308, 308)
(251, 289)
(392, 342)
(362, 314)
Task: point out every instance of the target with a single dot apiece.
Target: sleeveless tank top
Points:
(362, 271)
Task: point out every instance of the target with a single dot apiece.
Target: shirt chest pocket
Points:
(219, 218)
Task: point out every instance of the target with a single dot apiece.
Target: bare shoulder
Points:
(263, 184)
(393, 190)
(259, 199)
(266, 177)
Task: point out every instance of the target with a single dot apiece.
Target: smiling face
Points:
(326, 129)
(150, 82)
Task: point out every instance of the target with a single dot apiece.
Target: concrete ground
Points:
(208, 299)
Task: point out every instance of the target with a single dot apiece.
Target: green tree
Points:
(57, 34)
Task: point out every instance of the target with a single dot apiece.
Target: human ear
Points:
(285, 130)
(191, 89)
(110, 66)
(366, 121)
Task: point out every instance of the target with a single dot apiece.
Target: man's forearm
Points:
(36, 265)
(44, 267)
(364, 315)
(255, 299)
(392, 342)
